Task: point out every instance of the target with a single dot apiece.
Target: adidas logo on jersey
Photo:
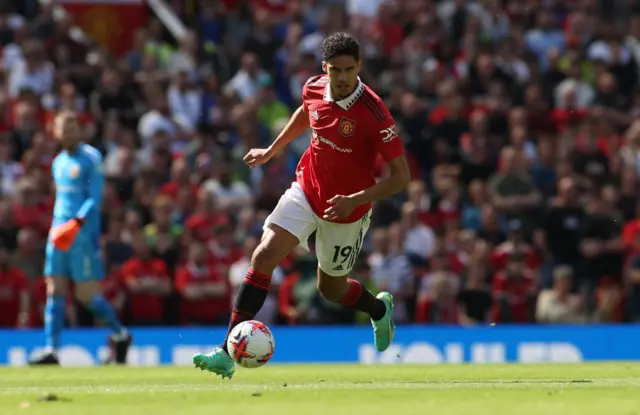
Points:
(338, 268)
(314, 114)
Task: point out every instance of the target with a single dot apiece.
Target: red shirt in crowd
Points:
(202, 226)
(516, 291)
(221, 259)
(113, 291)
(206, 310)
(145, 307)
(13, 283)
(501, 254)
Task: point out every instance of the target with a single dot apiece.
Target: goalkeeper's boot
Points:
(218, 362)
(46, 359)
(384, 329)
(119, 345)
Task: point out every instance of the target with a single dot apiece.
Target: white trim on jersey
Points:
(348, 101)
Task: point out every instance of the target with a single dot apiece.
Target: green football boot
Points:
(384, 329)
(218, 362)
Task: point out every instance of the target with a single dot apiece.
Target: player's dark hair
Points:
(340, 44)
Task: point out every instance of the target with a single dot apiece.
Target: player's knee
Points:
(56, 286)
(266, 258)
(85, 291)
(273, 248)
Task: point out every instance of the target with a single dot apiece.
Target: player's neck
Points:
(336, 97)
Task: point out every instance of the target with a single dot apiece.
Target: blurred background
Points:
(519, 118)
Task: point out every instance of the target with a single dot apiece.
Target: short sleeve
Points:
(305, 94)
(182, 279)
(385, 137)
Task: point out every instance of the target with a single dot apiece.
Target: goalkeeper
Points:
(73, 247)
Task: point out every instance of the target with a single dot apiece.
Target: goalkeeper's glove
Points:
(62, 236)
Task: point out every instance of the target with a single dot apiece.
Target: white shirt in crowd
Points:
(39, 81)
(185, 106)
(420, 240)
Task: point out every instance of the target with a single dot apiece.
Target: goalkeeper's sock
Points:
(54, 312)
(362, 299)
(107, 315)
(251, 296)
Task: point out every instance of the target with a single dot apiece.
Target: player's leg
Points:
(87, 270)
(290, 224)
(275, 245)
(54, 312)
(337, 248)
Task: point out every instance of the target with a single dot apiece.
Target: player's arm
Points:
(396, 182)
(297, 125)
(96, 186)
(389, 146)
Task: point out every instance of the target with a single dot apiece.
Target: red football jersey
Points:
(347, 137)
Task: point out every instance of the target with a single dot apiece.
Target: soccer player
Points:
(332, 195)
(73, 250)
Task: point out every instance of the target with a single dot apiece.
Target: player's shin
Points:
(251, 296)
(107, 315)
(54, 313)
(362, 299)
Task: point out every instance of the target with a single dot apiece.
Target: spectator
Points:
(512, 190)
(514, 291)
(474, 299)
(204, 293)
(147, 282)
(29, 255)
(33, 73)
(14, 293)
(559, 304)
(437, 295)
(248, 79)
(600, 245)
(419, 239)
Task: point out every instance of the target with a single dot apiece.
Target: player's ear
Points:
(324, 67)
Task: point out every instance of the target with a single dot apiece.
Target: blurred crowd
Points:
(518, 116)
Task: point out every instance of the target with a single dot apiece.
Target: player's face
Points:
(343, 75)
(67, 131)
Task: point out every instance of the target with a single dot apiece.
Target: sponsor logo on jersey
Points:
(347, 127)
(74, 171)
(338, 268)
(317, 139)
(388, 134)
(314, 114)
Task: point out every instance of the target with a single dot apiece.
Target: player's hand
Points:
(62, 236)
(257, 156)
(342, 206)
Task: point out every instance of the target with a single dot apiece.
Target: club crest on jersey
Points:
(74, 171)
(347, 127)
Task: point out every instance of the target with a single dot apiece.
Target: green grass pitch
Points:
(562, 389)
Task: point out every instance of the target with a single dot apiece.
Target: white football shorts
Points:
(337, 244)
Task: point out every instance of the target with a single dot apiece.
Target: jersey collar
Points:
(348, 101)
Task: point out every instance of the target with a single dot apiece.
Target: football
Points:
(251, 344)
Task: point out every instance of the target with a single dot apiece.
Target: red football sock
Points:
(251, 296)
(361, 299)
